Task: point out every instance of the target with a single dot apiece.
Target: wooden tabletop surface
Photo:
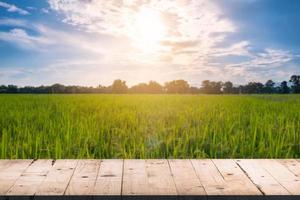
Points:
(150, 177)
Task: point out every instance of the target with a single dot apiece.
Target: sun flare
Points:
(149, 29)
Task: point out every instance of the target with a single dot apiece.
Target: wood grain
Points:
(10, 171)
(109, 180)
(31, 178)
(150, 177)
(58, 178)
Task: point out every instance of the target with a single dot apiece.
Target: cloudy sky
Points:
(91, 42)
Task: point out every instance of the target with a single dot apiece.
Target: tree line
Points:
(171, 87)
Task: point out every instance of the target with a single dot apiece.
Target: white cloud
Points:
(45, 10)
(21, 38)
(266, 59)
(267, 64)
(13, 22)
(13, 8)
(192, 26)
(236, 49)
(31, 8)
(49, 39)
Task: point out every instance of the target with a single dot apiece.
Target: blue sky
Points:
(91, 42)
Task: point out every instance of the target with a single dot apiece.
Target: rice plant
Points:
(149, 126)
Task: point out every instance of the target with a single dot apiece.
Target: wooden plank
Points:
(186, 180)
(4, 164)
(135, 179)
(10, 172)
(109, 180)
(261, 178)
(210, 177)
(235, 177)
(160, 180)
(283, 175)
(292, 164)
(31, 178)
(58, 178)
(143, 177)
(151, 177)
(223, 177)
(84, 178)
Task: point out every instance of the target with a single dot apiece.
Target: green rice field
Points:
(149, 126)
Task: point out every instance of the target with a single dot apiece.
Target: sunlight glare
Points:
(150, 29)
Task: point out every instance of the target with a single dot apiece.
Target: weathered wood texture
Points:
(150, 177)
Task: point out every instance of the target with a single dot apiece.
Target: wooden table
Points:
(150, 177)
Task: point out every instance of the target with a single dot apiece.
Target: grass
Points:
(149, 126)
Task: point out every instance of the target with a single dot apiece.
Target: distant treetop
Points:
(172, 87)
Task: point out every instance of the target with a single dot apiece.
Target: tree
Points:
(103, 89)
(139, 88)
(71, 89)
(177, 86)
(57, 88)
(155, 87)
(284, 88)
(12, 89)
(119, 86)
(205, 86)
(269, 87)
(194, 90)
(152, 87)
(253, 88)
(211, 87)
(3, 89)
(295, 80)
(216, 87)
(174, 86)
(228, 87)
(27, 89)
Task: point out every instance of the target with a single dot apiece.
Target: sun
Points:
(149, 29)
